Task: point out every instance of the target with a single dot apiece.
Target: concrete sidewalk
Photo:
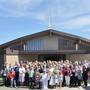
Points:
(64, 88)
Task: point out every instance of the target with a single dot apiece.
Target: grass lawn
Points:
(1, 78)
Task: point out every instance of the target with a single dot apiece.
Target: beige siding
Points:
(50, 43)
(78, 57)
(11, 59)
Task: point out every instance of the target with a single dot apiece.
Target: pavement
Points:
(63, 88)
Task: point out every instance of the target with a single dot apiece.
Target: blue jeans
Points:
(13, 82)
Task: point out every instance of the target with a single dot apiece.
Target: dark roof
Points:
(70, 35)
(46, 32)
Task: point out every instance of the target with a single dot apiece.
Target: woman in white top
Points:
(21, 74)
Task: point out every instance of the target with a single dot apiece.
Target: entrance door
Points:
(52, 57)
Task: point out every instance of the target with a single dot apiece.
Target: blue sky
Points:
(23, 17)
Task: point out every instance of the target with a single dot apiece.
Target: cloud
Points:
(41, 17)
(19, 3)
(77, 22)
(67, 13)
(86, 30)
(18, 8)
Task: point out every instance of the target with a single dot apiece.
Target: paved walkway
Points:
(64, 88)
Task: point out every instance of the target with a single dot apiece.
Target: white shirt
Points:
(22, 71)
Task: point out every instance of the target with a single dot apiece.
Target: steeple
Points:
(50, 18)
(49, 22)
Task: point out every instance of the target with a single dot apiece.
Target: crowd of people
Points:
(47, 74)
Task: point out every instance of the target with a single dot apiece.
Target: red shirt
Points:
(11, 75)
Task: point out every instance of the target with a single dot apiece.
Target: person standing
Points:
(16, 69)
(67, 76)
(60, 78)
(89, 77)
(5, 74)
(85, 75)
(44, 81)
(31, 76)
(21, 74)
(27, 77)
(11, 77)
(79, 75)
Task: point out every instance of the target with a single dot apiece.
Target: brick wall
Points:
(76, 57)
(28, 57)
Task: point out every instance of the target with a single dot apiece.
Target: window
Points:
(84, 47)
(65, 44)
(36, 44)
(17, 47)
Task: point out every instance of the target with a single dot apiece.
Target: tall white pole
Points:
(24, 47)
(76, 46)
(49, 26)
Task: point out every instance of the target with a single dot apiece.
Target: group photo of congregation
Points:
(44, 44)
(47, 74)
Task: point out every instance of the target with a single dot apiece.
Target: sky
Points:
(23, 17)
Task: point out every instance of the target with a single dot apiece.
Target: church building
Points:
(46, 45)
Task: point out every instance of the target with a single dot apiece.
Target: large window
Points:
(36, 44)
(84, 47)
(65, 44)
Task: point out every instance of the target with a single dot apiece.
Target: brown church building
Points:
(45, 45)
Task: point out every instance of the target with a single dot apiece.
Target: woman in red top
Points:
(11, 77)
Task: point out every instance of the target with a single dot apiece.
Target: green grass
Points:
(1, 78)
